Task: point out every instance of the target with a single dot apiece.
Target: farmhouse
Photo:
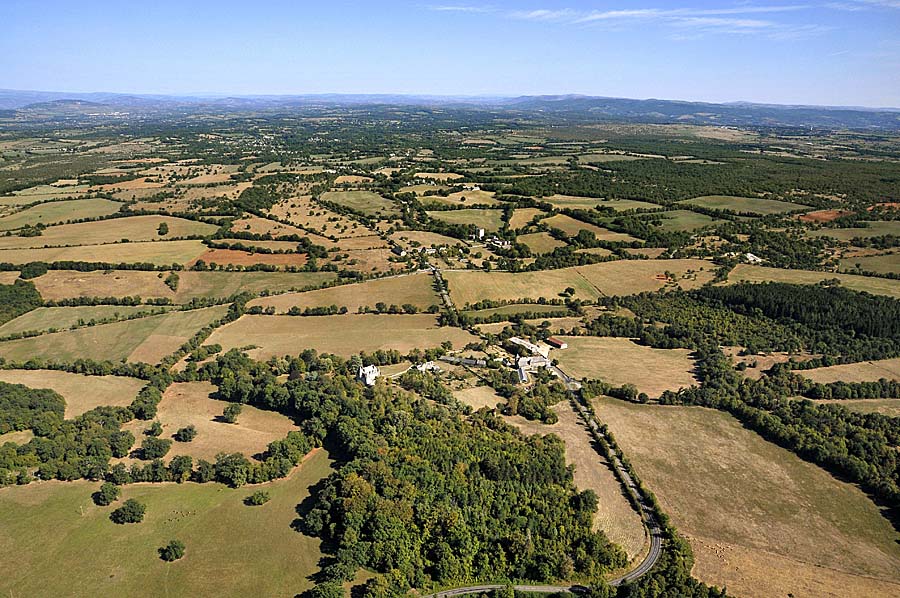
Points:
(531, 347)
(557, 343)
(368, 374)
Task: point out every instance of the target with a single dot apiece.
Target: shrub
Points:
(186, 434)
(173, 551)
(131, 511)
(107, 494)
(260, 497)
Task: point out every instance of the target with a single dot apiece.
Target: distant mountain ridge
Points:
(571, 106)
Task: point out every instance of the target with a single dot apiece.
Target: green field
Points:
(754, 205)
(365, 202)
(683, 220)
(869, 284)
(587, 203)
(881, 264)
(572, 227)
(489, 220)
(519, 308)
(162, 253)
(878, 228)
(147, 339)
(61, 318)
(60, 211)
(55, 542)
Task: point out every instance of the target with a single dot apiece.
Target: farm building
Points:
(368, 374)
(557, 343)
(531, 347)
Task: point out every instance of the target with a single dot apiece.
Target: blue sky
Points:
(844, 52)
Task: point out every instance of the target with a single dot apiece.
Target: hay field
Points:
(754, 205)
(161, 253)
(477, 397)
(488, 219)
(225, 284)
(876, 286)
(865, 371)
(439, 176)
(423, 238)
(571, 227)
(146, 339)
(305, 213)
(131, 228)
(61, 318)
(463, 198)
(888, 263)
(878, 228)
(60, 211)
(65, 284)
(622, 277)
(365, 202)
(587, 203)
(519, 308)
(414, 289)
(189, 404)
(343, 335)
(521, 217)
(683, 220)
(82, 393)
(47, 528)
(621, 361)
(614, 515)
(760, 520)
(540, 242)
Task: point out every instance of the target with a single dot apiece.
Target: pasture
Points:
(519, 308)
(854, 282)
(131, 228)
(522, 217)
(622, 361)
(418, 238)
(753, 205)
(82, 393)
(759, 519)
(238, 257)
(225, 284)
(161, 253)
(572, 227)
(888, 263)
(489, 220)
(414, 289)
(478, 397)
(43, 319)
(60, 211)
(364, 202)
(146, 339)
(587, 203)
(615, 515)
(345, 335)
(865, 371)
(305, 213)
(66, 284)
(462, 198)
(888, 407)
(227, 543)
(878, 228)
(683, 220)
(540, 242)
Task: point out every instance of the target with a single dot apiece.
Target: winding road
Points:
(648, 514)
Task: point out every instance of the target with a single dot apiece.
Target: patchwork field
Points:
(161, 253)
(866, 371)
(571, 227)
(61, 318)
(82, 393)
(876, 286)
(343, 335)
(147, 339)
(614, 516)
(365, 202)
(753, 205)
(540, 242)
(415, 289)
(489, 220)
(760, 520)
(60, 211)
(46, 530)
(189, 404)
(621, 361)
(132, 228)
(623, 277)
(587, 203)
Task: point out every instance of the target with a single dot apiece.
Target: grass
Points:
(571, 227)
(760, 520)
(60, 211)
(462, 198)
(623, 277)
(621, 361)
(889, 407)
(147, 339)
(477, 397)
(65, 284)
(540, 242)
(614, 516)
(888, 263)
(754, 205)
(161, 253)
(132, 228)
(47, 530)
(519, 308)
(489, 220)
(189, 404)
(587, 203)
(342, 335)
(414, 289)
(521, 217)
(877, 228)
(865, 371)
(226, 284)
(46, 318)
(365, 202)
(683, 220)
(876, 286)
(82, 393)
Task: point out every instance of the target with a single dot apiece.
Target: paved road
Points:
(647, 514)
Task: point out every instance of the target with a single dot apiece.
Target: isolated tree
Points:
(231, 413)
(163, 229)
(260, 497)
(107, 494)
(186, 434)
(172, 551)
(131, 511)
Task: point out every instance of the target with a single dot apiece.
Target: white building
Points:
(531, 347)
(368, 374)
